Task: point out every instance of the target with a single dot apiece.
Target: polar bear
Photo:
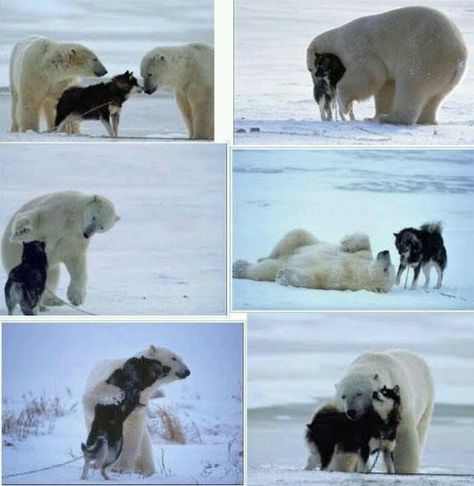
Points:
(371, 371)
(136, 455)
(409, 59)
(188, 70)
(65, 221)
(301, 260)
(40, 70)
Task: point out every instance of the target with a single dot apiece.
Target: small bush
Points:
(168, 426)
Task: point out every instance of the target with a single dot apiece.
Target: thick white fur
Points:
(301, 260)
(136, 455)
(60, 220)
(188, 71)
(368, 373)
(40, 70)
(409, 59)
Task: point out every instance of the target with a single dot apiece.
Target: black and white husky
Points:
(328, 72)
(27, 281)
(101, 101)
(334, 439)
(105, 441)
(422, 249)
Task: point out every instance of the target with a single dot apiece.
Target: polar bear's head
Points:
(80, 61)
(177, 369)
(161, 68)
(382, 272)
(354, 394)
(99, 216)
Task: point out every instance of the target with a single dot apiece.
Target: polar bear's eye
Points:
(343, 397)
(162, 58)
(93, 218)
(359, 394)
(149, 75)
(173, 358)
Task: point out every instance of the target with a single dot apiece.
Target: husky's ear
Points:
(396, 389)
(308, 426)
(43, 244)
(395, 234)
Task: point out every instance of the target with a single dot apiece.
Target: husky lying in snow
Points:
(301, 260)
(27, 281)
(105, 441)
(422, 249)
(101, 101)
(335, 441)
(328, 71)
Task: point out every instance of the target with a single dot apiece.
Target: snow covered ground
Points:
(336, 192)
(207, 404)
(120, 33)
(294, 360)
(167, 255)
(273, 89)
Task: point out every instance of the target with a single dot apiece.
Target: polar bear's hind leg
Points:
(408, 103)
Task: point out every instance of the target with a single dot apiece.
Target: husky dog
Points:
(105, 441)
(101, 101)
(337, 443)
(328, 72)
(387, 406)
(27, 281)
(422, 249)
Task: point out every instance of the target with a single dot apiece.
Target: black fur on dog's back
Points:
(27, 281)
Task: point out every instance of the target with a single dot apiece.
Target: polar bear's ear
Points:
(376, 377)
(72, 55)
(117, 218)
(152, 349)
(95, 198)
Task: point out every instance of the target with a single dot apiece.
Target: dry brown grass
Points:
(168, 426)
(37, 416)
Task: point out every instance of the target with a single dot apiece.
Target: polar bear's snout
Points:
(183, 372)
(149, 86)
(99, 68)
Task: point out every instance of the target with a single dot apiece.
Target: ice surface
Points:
(167, 255)
(273, 89)
(120, 33)
(45, 359)
(294, 360)
(336, 192)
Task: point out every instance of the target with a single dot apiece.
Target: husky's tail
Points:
(93, 448)
(433, 227)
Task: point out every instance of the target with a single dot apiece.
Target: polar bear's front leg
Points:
(202, 112)
(28, 114)
(133, 431)
(185, 109)
(52, 281)
(77, 268)
(384, 99)
(407, 451)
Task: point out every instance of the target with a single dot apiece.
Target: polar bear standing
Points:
(188, 70)
(409, 59)
(301, 260)
(370, 372)
(40, 70)
(136, 455)
(65, 221)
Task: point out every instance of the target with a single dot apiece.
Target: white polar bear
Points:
(136, 455)
(409, 59)
(40, 70)
(65, 221)
(188, 70)
(370, 372)
(301, 260)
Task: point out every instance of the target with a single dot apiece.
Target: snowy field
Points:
(334, 193)
(273, 88)
(294, 360)
(120, 33)
(167, 254)
(208, 405)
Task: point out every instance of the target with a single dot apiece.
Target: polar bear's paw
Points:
(76, 295)
(239, 269)
(50, 300)
(290, 277)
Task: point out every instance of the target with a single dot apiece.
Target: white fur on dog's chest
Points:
(115, 110)
(384, 444)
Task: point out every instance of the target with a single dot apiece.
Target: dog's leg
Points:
(427, 272)
(115, 123)
(10, 300)
(439, 272)
(103, 471)
(108, 126)
(85, 469)
(388, 459)
(415, 276)
(401, 269)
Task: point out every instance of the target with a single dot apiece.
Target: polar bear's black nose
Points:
(352, 413)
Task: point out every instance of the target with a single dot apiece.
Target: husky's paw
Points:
(239, 269)
(76, 295)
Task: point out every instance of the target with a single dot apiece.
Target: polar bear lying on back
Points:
(409, 59)
(188, 71)
(40, 70)
(65, 221)
(300, 260)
